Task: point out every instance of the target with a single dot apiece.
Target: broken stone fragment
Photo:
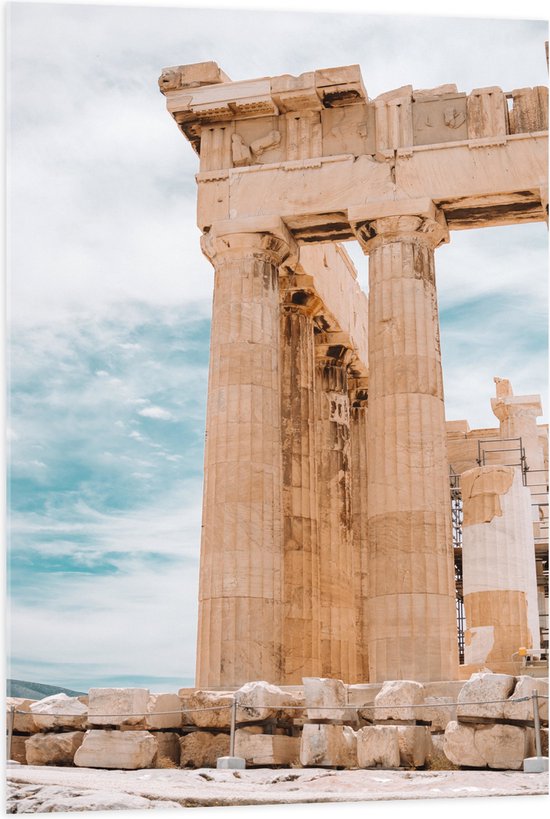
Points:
(164, 711)
(219, 703)
(325, 698)
(260, 700)
(484, 695)
(459, 746)
(22, 723)
(201, 749)
(378, 745)
(118, 706)
(502, 746)
(59, 711)
(267, 749)
(525, 686)
(396, 700)
(53, 749)
(127, 750)
(328, 745)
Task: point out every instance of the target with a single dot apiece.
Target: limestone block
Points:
(164, 711)
(325, 698)
(440, 712)
(525, 686)
(22, 723)
(127, 750)
(168, 748)
(531, 742)
(328, 745)
(17, 751)
(501, 746)
(267, 749)
(59, 711)
(378, 745)
(117, 706)
(53, 749)
(260, 700)
(201, 749)
(459, 746)
(394, 697)
(220, 701)
(414, 745)
(489, 690)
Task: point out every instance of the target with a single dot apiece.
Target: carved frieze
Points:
(439, 119)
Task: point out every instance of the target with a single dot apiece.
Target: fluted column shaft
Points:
(359, 508)
(240, 591)
(338, 615)
(411, 616)
(301, 647)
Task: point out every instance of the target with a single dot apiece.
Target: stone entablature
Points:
(399, 145)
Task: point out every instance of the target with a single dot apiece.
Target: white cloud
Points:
(158, 413)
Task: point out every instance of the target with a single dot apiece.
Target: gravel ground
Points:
(34, 789)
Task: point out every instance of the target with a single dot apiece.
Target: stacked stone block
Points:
(324, 723)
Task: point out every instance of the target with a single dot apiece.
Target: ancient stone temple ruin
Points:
(328, 517)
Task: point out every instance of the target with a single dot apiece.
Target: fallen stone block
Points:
(414, 745)
(219, 701)
(59, 711)
(53, 749)
(267, 749)
(525, 686)
(396, 700)
(117, 706)
(378, 745)
(17, 751)
(201, 749)
(439, 713)
(459, 746)
(483, 695)
(163, 711)
(22, 723)
(127, 750)
(503, 747)
(260, 700)
(325, 698)
(328, 745)
(168, 749)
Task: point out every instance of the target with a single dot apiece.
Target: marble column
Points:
(358, 393)
(338, 613)
(500, 585)
(411, 616)
(240, 587)
(301, 647)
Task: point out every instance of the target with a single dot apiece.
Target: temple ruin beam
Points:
(474, 184)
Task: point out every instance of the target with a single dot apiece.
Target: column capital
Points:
(298, 297)
(334, 349)
(386, 222)
(242, 237)
(358, 389)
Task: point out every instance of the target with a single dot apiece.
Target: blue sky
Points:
(109, 302)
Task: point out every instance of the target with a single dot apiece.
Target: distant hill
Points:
(36, 691)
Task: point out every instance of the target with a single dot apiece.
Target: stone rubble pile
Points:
(324, 723)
